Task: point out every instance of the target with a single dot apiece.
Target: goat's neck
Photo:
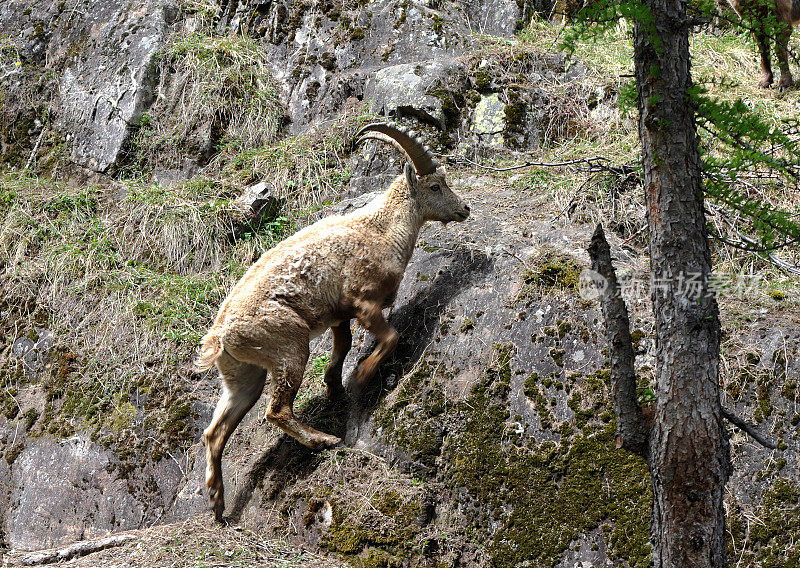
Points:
(398, 222)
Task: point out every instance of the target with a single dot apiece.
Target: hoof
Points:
(217, 504)
(326, 441)
(219, 508)
(335, 393)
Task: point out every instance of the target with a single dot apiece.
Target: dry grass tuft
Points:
(200, 542)
(126, 287)
(307, 170)
(215, 90)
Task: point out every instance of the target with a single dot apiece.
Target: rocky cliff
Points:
(172, 142)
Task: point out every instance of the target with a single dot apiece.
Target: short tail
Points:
(209, 351)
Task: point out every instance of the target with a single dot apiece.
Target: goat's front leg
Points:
(371, 317)
(342, 341)
(782, 51)
(762, 39)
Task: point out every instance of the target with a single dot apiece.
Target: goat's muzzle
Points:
(462, 215)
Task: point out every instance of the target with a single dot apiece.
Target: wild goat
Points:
(339, 268)
(771, 17)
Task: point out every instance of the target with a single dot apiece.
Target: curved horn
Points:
(419, 156)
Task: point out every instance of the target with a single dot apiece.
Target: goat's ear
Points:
(411, 179)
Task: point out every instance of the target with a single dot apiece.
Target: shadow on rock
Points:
(417, 321)
(288, 461)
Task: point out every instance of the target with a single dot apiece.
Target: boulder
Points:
(64, 491)
(416, 89)
(34, 351)
(489, 120)
(260, 202)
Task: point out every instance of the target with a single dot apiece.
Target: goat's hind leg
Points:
(342, 341)
(242, 384)
(285, 380)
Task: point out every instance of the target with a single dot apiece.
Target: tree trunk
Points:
(688, 456)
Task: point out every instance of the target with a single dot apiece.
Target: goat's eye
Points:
(436, 187)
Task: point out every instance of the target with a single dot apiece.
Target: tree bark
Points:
(632, 431)
(689, 455)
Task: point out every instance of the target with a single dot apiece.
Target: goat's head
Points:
(425, 178)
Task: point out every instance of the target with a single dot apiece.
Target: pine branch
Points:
(747, 429)
(595, 164)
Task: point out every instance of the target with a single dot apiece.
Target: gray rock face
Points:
(494, 17)
(105, 90)
(5, 486)
(323, 60)
(102, 53)
(63, 492)
(414, 89)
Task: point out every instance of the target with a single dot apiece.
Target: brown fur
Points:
(787, 14)
(340, 268)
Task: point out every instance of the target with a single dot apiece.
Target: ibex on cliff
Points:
(771, 16)
(339, 268)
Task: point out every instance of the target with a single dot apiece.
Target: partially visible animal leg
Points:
(371, 317)
(762, 40)
(280, 343)
(287, 374)
(242, 384)
(782, 51)
(342, 341)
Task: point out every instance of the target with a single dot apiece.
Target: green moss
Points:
(539, 399)
(438, 24)
(562, 490)
(376, 558)
(13, 452)
(789, 390)
(555, 272)
(774, 542)
(483, 80)
(557, 356)
(31, 416)
(8, 402)
(531, 386)
(777, 295)
(357, 34)
(515, 114)
(451, 103)
(391, 530)
(467, 325)
(764, 389)
(417, 433)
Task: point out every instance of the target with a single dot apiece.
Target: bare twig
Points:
(594, 164)
(747, 429)
(751, 245)
(73, 550)
(35, 149)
